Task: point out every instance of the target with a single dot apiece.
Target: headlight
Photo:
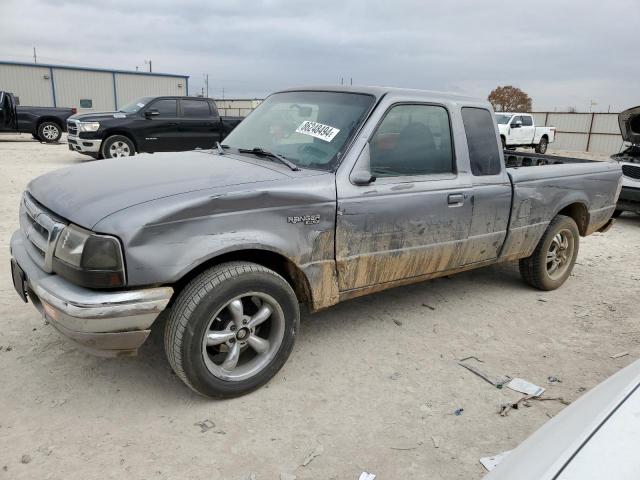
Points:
(88, 126)
(89, 259)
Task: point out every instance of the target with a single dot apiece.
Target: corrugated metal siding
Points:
(73, 85)
(570, 141)
(574, 122)
(606, 123)
(607, 144)
(577, 132)
(237, 107)
(130, 87)
(28, 83)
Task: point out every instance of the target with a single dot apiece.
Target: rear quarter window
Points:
(484, 154)
(195, 108)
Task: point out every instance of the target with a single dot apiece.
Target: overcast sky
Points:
(563, 53)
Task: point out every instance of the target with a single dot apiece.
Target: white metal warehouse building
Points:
(87, 89)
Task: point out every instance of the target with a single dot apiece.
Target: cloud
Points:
(561, 53)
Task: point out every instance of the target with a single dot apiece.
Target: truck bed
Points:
(515, 159)
(582, 188)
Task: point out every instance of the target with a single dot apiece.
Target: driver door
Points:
(159, 129)
(516, 131)
(414, 218)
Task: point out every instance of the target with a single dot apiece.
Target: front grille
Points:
(42, 229)
(631, 171)
(72, 128)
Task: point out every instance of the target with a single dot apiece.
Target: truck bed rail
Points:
(526, 159)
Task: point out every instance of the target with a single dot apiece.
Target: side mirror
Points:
(361, 176)
(151, 113)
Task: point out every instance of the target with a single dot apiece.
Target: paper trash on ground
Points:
(366, 476)
(492, 462)
(522, 386)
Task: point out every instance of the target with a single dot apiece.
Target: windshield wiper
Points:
(259, 151)
(220, 148)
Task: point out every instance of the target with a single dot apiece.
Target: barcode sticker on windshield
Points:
(318, 130)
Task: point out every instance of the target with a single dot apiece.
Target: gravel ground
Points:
(371, 385)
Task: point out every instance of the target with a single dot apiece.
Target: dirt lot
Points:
(369, 386)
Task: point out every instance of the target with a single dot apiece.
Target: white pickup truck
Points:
(519, 130)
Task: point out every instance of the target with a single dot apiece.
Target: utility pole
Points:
(148, 62)
(35, 57)
(206, 83)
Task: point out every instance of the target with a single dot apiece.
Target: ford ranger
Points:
(150, 124)
(319, 196)
(519, 130)
(43, 123)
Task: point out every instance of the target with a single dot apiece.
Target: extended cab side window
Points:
(412, 140)
(481, 139)
(166, 108)
(527, 121)
(195, 109)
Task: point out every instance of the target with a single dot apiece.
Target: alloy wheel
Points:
(243, 337)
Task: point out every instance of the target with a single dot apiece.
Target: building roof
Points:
(90, 69)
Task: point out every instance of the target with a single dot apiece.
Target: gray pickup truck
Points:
(319, 196)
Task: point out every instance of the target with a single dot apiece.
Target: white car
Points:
(596, 437)
(519, 130)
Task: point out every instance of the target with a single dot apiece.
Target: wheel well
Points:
(49, 119)
(580, 214)
(545, 136)
(272, 260)
(111, 133)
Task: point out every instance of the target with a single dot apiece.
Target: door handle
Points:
(173, 124)
(455, 199)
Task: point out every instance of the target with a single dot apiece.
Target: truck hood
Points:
(629, 122)
(84, 194)
(96, 117)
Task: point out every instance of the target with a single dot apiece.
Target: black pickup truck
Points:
(44, 123)
(150, 124)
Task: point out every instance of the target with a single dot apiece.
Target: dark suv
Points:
(150, 124)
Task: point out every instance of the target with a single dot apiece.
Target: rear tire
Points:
(236, 307)
(542, 146)
(117, 146)
(552, 261)
(49, 132)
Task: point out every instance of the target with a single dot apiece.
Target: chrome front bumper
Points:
(107, 323)
(82, 145)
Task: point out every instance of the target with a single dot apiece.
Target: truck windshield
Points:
(136, 105)
(310, 129)
(503, 119)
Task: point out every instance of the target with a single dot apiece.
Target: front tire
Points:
(231, 329)
(617, 213)
(117, 146)
(49, 132)
(542, 146)
(552, 261)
